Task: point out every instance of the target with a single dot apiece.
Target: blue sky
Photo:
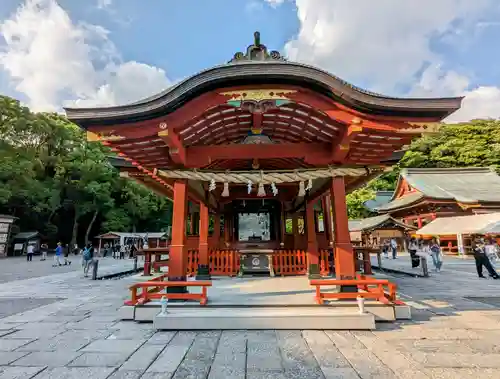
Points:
(104, 52)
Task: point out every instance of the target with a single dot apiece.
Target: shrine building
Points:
(424, 194)
(252, 144)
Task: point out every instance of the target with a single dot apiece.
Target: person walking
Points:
(88, 259)
(492, 252)
(66, 255)
(436, 254)
(413, 248)
(394, 247)
(30, 250)
(58, 255)
(44, 248)
(481, 259)
(385, 248)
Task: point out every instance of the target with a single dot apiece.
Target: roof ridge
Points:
(440, 170)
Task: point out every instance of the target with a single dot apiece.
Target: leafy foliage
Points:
(56, 182)
(473, 144)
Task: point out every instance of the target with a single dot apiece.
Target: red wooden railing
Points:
(290, 262)
(221, 262)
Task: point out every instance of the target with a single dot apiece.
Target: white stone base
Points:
(289, 318)
(126, 312)
(403, 312)
(147, 312)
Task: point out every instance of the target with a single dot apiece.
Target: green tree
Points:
(49, 174)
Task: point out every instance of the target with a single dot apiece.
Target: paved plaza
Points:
(62, 325)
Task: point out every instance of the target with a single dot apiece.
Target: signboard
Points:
(18, 246)
(387, 233)
(355, 236)
(3, 237)
(4, 228)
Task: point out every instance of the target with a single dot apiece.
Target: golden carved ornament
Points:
(421, 128)
(258, 94)
(108, 137)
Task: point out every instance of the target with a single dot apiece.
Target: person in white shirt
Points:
(491, 249)
(30, 250)
(394, 247)
(413, 247)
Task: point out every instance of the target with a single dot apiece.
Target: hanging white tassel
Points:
(274, 189)
(212, 185)
(309, 184)
(302, 190)
(249, 187)
(225, 192)
(261, 192)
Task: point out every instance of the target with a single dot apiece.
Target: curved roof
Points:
(468, 185)
(376, 222)
(255, 67)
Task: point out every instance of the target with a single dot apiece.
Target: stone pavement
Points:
(73, 333)
(451, 265)
(17, 268)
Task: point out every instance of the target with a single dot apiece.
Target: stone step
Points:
(382, 312)
(287, 318)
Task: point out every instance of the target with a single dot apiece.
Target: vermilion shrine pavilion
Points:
(256, 142)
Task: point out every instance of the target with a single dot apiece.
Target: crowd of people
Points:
(486, 253)
(62, 254)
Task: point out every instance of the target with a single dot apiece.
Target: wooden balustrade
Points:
(151, 291)
(290, 262)
(221, 262)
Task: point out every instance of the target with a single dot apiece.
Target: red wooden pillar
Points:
(177, 269)
(217, 230)
(312, 244)
(344, 253)
(419, 222)
(327, 218)
(203, 270)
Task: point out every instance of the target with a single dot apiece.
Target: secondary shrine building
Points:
(252, 144)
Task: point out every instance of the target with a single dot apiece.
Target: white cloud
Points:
(275, 3)
(50, 59)
(101, 4)
(387, 45)
(482, 102)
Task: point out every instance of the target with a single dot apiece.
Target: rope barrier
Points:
(266, 177)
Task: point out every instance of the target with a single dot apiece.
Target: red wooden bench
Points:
(151, 291)
(374, 289)
(158, 264)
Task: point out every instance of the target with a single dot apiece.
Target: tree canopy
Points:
(59, 184)
(472, 144)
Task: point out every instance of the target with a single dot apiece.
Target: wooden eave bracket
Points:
(341, 150)
(176, 150)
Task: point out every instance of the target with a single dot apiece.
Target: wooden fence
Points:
(220, 262)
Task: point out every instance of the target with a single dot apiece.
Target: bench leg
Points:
(203, 300)
(319, 298)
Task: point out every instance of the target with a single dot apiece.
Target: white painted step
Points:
(288, 318)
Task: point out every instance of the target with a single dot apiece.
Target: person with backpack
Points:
(87, 258)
